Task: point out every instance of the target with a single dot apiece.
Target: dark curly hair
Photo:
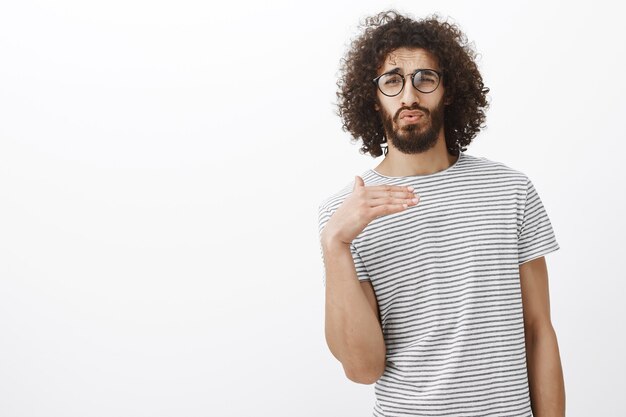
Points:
(387, 31)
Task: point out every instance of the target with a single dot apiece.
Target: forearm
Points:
(545, 375)
(353, 332)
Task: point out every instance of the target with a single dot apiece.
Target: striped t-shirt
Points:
(446, 277)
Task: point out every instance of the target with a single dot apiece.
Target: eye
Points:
(429, 76)
(391, 79)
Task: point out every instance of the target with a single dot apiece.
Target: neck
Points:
(398, 164)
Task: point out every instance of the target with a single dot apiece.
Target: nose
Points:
(409, 94)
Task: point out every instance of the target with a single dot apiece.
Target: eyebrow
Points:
(397, 70)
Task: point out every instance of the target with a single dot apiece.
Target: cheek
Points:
(386, 105)
(434, 102)
(384, 102)
(379, 101)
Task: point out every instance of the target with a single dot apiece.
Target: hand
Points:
(362, 206)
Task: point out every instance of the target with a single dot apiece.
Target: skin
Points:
(431, 157)
(545, 374)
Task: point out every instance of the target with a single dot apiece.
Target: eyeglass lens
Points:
(425, 81)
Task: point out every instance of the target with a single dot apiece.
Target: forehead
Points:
(409, 59)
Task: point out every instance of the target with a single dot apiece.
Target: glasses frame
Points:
(412, 75)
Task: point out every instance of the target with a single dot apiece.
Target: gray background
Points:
(161, 166)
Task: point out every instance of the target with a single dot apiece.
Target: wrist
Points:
(330, 241)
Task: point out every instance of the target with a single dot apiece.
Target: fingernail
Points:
(410, 188)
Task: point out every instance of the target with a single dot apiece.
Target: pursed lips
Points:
(410, 113)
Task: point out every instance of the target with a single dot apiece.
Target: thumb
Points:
(358, 182)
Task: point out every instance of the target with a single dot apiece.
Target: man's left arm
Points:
(545, 375)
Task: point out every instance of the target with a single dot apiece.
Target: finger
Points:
(358, 182)
(376, 202)
(385, 209)
(387, 187)
(392, 194)
(390, 190)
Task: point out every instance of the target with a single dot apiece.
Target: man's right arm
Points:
(352, 327)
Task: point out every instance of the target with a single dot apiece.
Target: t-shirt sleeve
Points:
(361, 271)
(535, 236)
(359, 265)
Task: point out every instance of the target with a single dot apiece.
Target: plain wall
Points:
(161, 166)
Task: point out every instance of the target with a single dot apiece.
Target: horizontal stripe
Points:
(446, 277)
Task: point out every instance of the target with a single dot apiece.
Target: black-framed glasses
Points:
(424, 80)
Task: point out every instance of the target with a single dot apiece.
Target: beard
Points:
(416, 137)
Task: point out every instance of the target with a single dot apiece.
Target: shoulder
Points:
(495, 170)
(484, 163)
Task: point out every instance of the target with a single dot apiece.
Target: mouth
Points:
(410, 113)
(411, 116)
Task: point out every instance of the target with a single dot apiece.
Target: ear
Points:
(376, 107)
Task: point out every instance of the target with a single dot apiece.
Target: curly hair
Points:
(463, 116)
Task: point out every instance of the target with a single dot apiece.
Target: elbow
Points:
(539, 329)
(366, 375)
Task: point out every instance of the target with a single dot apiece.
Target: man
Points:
(441, 300)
